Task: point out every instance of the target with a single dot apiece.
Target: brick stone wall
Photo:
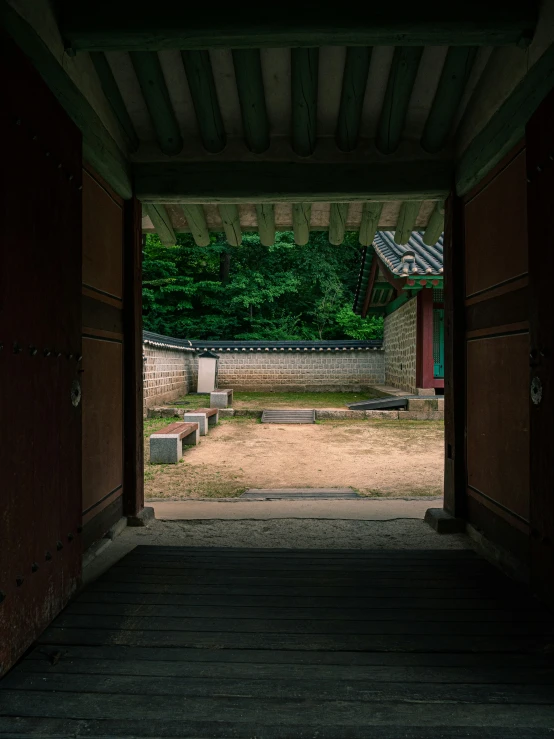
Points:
(400, 339)
(167, 374)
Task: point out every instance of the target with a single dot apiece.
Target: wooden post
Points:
(454, 360)
(133, 456)
(424, 354)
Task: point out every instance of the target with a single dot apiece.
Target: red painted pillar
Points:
(424, 356)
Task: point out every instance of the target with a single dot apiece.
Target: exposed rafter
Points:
(400, 84)
(354, 82)
(452, 83)
(304, 81)
(265, 213)
(435, 226)
(154, 89)
(196, 221)
(200, 77)
(161, 222)
(370, 285)
(250, 87)
(337, 223)
(370, 222)
(113, 95)
(137, 24)
(252, 182)
(301, 213)
(406, 221)
(231, 223)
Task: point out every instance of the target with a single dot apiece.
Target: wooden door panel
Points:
(40, 316)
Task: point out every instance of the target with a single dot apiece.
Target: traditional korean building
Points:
(404, 283)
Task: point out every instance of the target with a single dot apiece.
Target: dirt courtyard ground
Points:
(377, 458)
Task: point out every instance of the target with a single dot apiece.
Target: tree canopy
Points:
(253, 292)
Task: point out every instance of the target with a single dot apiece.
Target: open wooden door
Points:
(40, 354)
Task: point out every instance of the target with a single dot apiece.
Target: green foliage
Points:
(252, 292)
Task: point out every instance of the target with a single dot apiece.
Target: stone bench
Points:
(221, 398)
(204, 417)
(166, 445)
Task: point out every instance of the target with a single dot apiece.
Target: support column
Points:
(424, 354)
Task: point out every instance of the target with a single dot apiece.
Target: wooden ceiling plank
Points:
(402, 75)
(154, 90)
(196, 221)
(354, 83)
(138, 24)
(300, 182)
(406, 221)
(304, 82)
(114, 98)
(452, 83)
(337, 222)
(161, 222)
(435, 227)
(370, 223)
(230, 218)
(301, 213)
(265, 213)
(250, 88)
(200, 78)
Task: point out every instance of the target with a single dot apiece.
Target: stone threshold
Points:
(418, 410)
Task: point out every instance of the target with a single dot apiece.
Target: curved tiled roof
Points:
(427, 261)
(159, 340)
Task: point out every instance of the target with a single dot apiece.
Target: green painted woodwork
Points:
(435, 227)
(396, 303)
(154, 90)
(196, 221)
(231, 223)
(250, 87)
(455, 73)
(354, 82)
(304, 80)
(141, 24)
(113, 96)
(301, 213)
(438, 342)
(369, 225)
(200, 78)
(265, 213)
(161, 222)
(507, 125)
(99, 148)
(337, 223)
(403, 71)
(406, 221)
(304, 182)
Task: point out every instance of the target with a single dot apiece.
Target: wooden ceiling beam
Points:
(282, 182)
(454, 76)
(250, 87)
(337, 222)
(354, 83)
(162, 223)
(304, 82)
(265, 213)
(301, 213)
(196, 221)
(402, 75)
(200, 78)
(371, 214)
(231, 223)
(132, 25)
(406, 221)
(114, 98)
(156, 96)
(435, 226)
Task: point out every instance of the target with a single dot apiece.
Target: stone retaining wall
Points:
(400, 339)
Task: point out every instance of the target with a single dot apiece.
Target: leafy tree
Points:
(253, 292)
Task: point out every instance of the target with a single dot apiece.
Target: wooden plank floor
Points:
(183, 642)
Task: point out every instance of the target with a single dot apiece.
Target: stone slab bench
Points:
(221, 398)
(204, 417)
(166, 445)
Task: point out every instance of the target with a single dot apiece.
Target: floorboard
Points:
(199, 642)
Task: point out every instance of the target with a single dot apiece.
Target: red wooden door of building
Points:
(40, 326)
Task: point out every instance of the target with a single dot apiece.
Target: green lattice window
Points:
(438, 295)
(438, 342)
